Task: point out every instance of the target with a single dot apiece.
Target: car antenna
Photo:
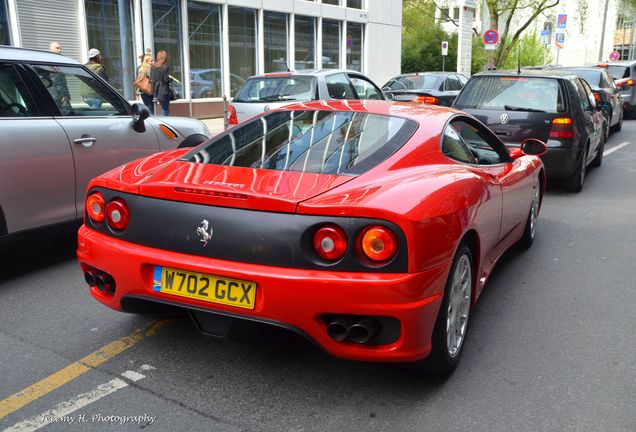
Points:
(518, 60)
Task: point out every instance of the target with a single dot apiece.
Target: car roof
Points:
(426, 73)
(306, 72)
(26, 54)
(530, 73)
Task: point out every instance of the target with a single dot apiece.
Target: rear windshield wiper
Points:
(515, 108)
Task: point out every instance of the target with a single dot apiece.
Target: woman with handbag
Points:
(160, 77)
(142, 82)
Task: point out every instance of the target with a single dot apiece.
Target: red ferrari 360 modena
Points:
(368, 227)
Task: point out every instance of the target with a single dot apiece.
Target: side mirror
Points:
(140, 112)
(533, 146)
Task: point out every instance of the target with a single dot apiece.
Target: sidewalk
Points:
(215, 125)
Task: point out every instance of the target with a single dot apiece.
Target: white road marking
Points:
(60, 413)
(617, 147)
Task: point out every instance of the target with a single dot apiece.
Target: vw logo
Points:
(504, 118)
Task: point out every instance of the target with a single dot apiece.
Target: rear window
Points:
(415, 82)
(277, 89)
(618, 72)
(512, 94)
(329, 142)
(593, 77)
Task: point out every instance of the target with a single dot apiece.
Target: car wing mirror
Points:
(530, 146)
(140, 112)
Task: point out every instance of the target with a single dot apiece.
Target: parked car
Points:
(368, 227)
(437, 88)
(609, 96)
(624, 74)
(207, 83)
(274, 90)
(53, 142)
(556, 107)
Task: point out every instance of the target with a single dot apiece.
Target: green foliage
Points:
(479, 56)
(422, 50)
(530, 51)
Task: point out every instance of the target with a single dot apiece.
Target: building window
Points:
(444, 14)
(5, 32)
(204, 28)
(242, 32)
(305, 30)
(166, 18)
(275, 43)
(356, 4)
(331, 2)
(354, 46)
(331, 42)
(110, 31)
(456, 13)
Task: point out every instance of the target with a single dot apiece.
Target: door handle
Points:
(85, 140)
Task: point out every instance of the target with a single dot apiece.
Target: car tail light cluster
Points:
(562, 127)
(426, 99)
(375, 243)
(115, 213)
(232, 119)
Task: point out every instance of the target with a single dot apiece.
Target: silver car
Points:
(265, 92)
(61, 126)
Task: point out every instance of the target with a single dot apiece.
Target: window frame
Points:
(485, 133)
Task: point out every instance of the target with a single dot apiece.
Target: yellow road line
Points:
(74, 370)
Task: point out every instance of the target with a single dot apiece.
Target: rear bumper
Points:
(291, 298)
(560, 163)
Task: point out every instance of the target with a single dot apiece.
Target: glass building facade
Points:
(5, 33)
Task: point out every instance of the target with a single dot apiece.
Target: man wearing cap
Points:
(90, 96)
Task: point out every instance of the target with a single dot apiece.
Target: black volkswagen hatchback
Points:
(557, 107)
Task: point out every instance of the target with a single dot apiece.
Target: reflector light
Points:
(330, 242)
(117, 214)
(95, 204)
(630, 82)
(426, 99)
(232, 119)
(378, 243)
(168, 132)
(598, 98)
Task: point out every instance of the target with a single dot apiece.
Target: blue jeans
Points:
(94, 102)
(165, 107)
(147, 100)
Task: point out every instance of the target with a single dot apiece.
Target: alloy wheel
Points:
(458, 306)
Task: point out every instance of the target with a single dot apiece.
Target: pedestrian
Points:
(143, 71)
(160, 79)
(59, 87)
(90, 96)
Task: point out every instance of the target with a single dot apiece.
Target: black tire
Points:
(575, 184)
(440, 361)
(526, 240)
(598, 159)
(193, 141)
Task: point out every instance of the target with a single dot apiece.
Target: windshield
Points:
(512, 94)
(277, 89)
(618, 72)
(329, 142)
(413, 82)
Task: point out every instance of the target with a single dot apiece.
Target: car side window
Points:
(15, 99)
(454, 83)
(365, 89)
(585, 101)
(479, 142)
(455, 148)
(462, 80)
(77, 93)
(339, 87)
(589, 93)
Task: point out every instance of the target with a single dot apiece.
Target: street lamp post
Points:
(600, 50)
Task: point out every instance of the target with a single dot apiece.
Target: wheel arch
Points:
(471, 239)
(192, 140)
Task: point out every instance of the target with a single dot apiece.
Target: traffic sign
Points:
(491, 37)
(545, 37)
(615, 55)
(559, 40)
(562, 21)
(444, 48)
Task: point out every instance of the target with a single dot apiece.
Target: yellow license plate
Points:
(214, 289)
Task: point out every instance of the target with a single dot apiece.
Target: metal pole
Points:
(600, 50)
(224, 112)
(443, 61)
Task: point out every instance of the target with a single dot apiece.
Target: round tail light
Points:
(378, 243)
(95, 204)
(330, 242)
(117, 214)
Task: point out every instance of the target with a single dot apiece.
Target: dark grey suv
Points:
(53, 141)
(558, 108)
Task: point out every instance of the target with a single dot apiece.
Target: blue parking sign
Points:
(562, 21)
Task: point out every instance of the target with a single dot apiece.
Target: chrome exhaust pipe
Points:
(338, 329)
(105, 283)
(363, 330)
(89, 277)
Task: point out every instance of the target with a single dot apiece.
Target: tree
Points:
(529, 52)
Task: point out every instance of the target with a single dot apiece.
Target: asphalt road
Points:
(550, 345)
